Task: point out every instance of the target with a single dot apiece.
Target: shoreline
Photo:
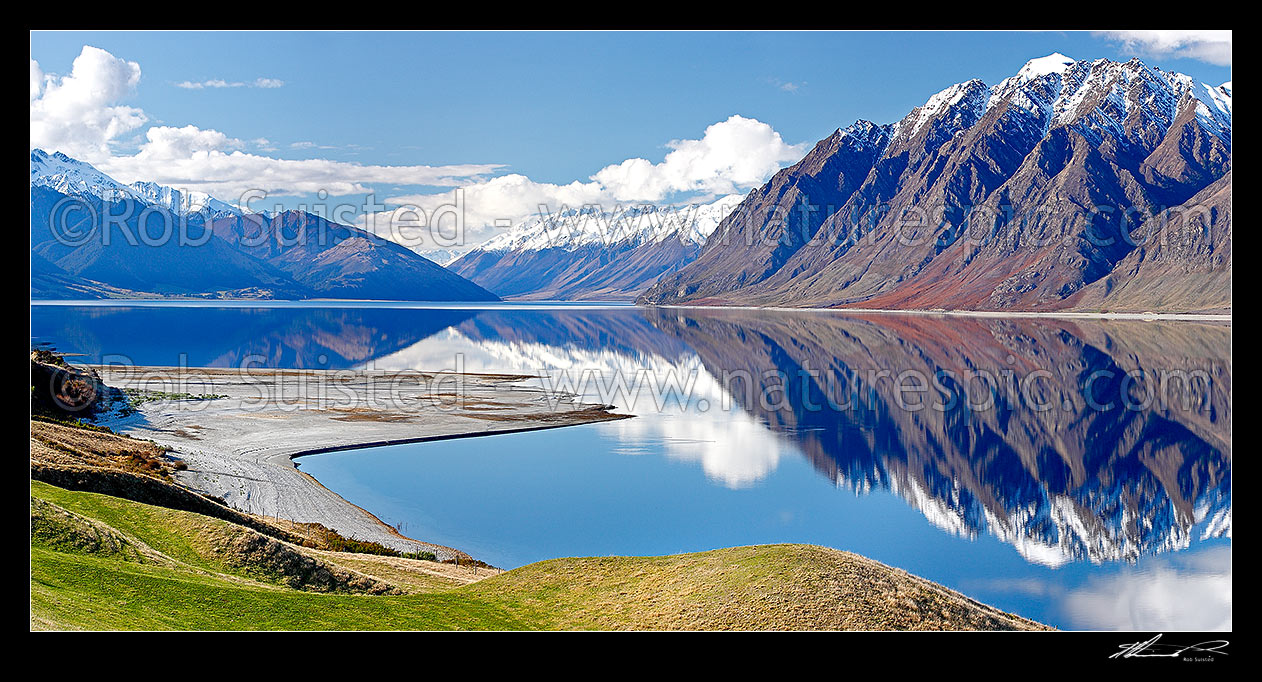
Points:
(242, 445)
(1153, 316)
(605, 305)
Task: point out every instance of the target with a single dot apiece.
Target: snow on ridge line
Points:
(635, 224)
(1042, 66)
(71, 176)
(1054, 89)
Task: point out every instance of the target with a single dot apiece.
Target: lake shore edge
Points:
(240, 432)
(1072, 315)
(114, 492)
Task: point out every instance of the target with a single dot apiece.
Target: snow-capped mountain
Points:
(184, 202)
(592, 252)
(74, 177)
(290, 255)
(443, 257)
(1033, 156)
(571, 228)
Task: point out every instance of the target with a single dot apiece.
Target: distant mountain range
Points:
(1072, 185)
(76, 178)
(78, 252)
(592, 253)
(1090, 185)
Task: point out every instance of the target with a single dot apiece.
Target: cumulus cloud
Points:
(499, 201)
(731, 157)
(1213, 47)
(267, 83)
(80, 113)
(37, 80)
(739, 152)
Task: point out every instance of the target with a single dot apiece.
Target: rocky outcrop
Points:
(1181, 262)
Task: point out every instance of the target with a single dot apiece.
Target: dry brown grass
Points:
(105, 462)
(766, 587)
(59, 445)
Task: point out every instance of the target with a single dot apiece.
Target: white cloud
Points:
(1191, 592)
(267, 83)
(737, 153)
(1207, 46)
(732, 157)
(37, 79)
(210, 161)
(80, 114)
(506, 198)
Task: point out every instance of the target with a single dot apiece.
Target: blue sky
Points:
(556, 107)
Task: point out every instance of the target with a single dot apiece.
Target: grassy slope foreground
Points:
(101, 562)
(118, 543)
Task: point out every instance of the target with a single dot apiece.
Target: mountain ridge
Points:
(590, 253)
(95, 237)
(982, 198)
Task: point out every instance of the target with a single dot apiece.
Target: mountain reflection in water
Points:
(1071, 440)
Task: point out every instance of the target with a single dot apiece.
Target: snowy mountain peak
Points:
(1217, 103)
(574, 228)
(184, 202)
(863, 134)
(71, 176)
(1104, 98)
(1052, 63)
(74, 177)
(946, 112)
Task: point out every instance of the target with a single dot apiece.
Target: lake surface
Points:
(1076, 472)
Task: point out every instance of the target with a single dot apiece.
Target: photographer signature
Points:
(1152, 649)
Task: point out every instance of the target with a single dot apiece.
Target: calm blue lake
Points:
(1075, 472)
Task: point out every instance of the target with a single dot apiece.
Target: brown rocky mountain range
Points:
(1013, 197)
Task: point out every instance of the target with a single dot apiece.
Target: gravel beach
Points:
(239, 430)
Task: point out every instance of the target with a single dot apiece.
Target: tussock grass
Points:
(764, 587)
(101, 562)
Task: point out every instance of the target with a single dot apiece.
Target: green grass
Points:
(71, 591)
(171, 532)
(194, 590)
(160, 569)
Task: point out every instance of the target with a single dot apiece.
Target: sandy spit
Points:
(240, 430)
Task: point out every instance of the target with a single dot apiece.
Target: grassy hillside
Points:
(101, 562)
